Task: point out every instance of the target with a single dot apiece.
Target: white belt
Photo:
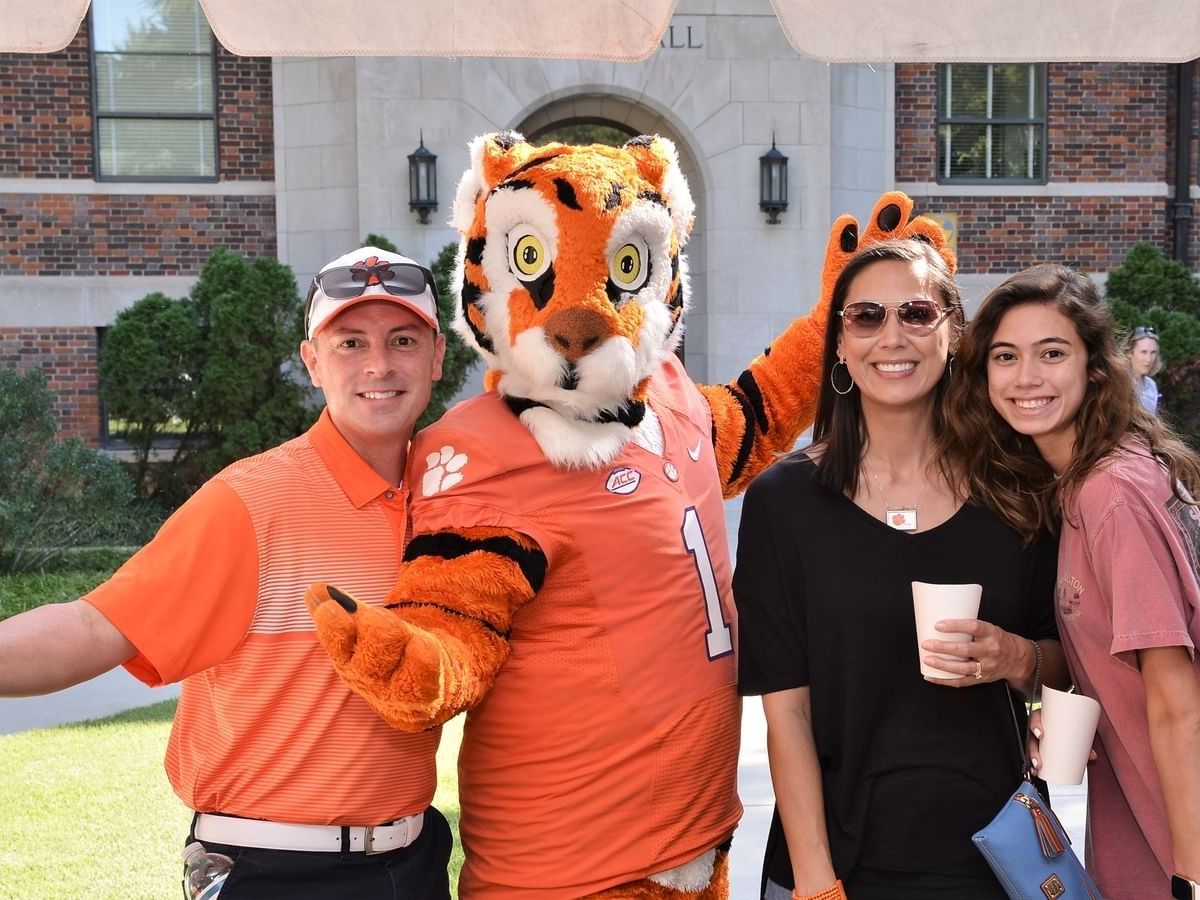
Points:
(240, 832)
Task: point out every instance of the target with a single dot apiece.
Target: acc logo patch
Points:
(623, 480)
(444, 470)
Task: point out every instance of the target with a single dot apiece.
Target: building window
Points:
(992, 122)
(153, 84)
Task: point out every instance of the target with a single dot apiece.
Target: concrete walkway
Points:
(110, 693)
(117, 690)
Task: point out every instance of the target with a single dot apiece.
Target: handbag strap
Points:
(1023, 739)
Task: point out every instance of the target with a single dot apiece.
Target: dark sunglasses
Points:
(347, 282)
(864, 318)
(1144, 331)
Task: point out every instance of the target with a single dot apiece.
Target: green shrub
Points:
(54, 495)
(460, 356)
(247, 393)
(151, 356)
(1148, 289)
(216, 373)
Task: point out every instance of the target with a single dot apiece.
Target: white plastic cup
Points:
(1068, 729)
(934, 602)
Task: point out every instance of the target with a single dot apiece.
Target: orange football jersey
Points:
(607, 749)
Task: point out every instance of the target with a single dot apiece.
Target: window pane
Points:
(157, 148)
(1010, 92)
(154, 84)
(1016, 151)
(968, 91)
(967, 151)
(152, 26)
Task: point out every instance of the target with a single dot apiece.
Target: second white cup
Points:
(1068, 728)
(934, 602)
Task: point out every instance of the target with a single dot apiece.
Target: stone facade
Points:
(722, 86)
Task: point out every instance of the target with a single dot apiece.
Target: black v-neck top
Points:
(910, 769)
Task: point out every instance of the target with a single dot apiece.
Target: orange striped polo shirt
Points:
(607, 749)
(265, 728)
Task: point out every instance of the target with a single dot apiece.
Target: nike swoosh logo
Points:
(695, 454)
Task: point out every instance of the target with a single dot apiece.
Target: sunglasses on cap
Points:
(1144, 331)
(864, 318)
(400, 279)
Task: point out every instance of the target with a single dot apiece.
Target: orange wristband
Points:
(833, 892)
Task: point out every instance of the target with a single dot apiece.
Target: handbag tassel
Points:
(1048, 838)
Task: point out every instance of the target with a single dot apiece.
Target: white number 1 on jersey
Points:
(720, 640)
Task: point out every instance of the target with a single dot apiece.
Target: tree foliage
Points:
(1149, 290)
(54, 495)
(214, 374)
(460, 356)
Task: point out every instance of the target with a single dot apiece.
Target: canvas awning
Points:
(630, 30)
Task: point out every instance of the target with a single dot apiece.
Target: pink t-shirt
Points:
(1127, 581)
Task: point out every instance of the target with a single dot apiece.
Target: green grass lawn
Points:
(86, 811)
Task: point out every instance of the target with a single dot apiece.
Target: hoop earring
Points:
(950, 366)
(833, 380)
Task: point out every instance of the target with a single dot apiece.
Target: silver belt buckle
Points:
(369, 841)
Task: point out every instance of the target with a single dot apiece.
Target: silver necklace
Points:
(902, 518)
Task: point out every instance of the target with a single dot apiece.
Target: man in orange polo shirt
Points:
(291, 774)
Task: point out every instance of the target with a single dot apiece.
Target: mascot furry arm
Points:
(573, 290)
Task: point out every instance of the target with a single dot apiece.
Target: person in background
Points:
(1142, 349)
(881, 776)
(291, 774)
(1058, 437)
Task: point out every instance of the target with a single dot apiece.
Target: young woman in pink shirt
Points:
(1045, 413)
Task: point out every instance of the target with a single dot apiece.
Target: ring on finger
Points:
(978, 669)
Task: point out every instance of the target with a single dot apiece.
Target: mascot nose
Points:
(576, 332)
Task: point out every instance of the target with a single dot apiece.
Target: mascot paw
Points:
(890, 219)
(374, 651)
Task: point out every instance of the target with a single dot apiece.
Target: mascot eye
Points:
(530, 257)
(628, 268)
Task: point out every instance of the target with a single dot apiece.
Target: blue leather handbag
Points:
(1028, 849)
(1030, 853)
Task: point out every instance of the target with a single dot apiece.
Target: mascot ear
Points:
(658, 163)
(493, 157)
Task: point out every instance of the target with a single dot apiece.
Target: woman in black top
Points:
(881, 777)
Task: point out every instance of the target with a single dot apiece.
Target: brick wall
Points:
(1006, 234)
(68, 357)
(245, 129)
(46, 114)
(105, 234)
(1107, 121)
(916, 122)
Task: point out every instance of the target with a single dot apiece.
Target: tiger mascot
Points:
(568, 575)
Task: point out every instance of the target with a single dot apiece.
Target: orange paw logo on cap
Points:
(371, 268)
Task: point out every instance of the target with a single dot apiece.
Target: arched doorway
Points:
(612, 119)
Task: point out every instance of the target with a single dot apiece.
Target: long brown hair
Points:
(1002, 468)
(839, 427)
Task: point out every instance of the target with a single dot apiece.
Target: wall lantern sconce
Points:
(422, 181)
(772, 189)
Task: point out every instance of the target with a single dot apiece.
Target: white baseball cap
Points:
(370, 274)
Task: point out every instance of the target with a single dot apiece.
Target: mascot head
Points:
(573, 280)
